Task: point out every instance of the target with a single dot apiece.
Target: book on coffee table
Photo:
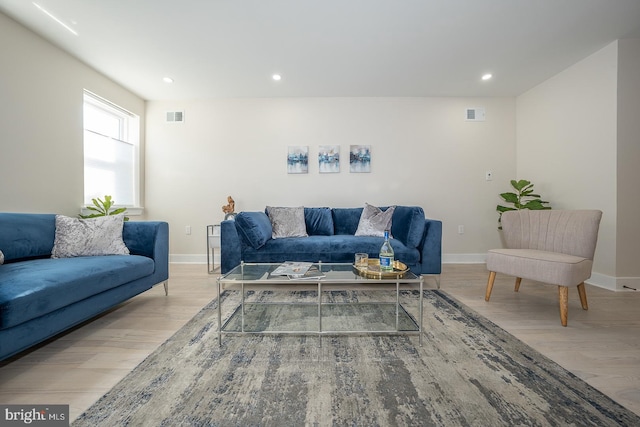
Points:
(292, 268)
(311, 273)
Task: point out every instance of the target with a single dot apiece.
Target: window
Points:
(111, 152)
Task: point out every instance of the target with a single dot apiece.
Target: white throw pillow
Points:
(89, 237)
(287, 222)
(1, 258)
(374, 221)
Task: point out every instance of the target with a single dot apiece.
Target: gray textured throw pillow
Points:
(287, 222)
(1, 258)
(89, 237)
(374, 221)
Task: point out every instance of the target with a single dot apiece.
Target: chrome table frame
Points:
(345, 278)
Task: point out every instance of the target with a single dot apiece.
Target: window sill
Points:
(137, 211)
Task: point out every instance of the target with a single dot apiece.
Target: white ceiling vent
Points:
(476, 114)
(175, 117)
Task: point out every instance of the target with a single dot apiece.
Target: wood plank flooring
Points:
(601, 345)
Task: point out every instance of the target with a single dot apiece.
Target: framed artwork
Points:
(360, 158)
(329, 158)
(298, 159)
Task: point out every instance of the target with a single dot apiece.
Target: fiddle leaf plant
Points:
(103, 208)
(523, 198)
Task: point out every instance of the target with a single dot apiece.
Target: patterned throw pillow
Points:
(374, 221)
(287, 222)
(89, 237)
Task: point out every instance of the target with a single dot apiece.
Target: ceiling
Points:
(329, 48)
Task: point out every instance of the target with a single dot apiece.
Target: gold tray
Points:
(373, 270)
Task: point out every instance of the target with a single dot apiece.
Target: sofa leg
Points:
(492, 278)
(583, 296)
(166, 287)
(518, 281)
(563, 296)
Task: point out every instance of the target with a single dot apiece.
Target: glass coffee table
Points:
(322, 314)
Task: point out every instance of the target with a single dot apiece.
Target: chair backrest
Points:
(572, 232)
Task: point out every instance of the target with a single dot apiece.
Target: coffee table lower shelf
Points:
(325, 319)
(319, 314)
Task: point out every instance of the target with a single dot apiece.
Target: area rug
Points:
(468, 372)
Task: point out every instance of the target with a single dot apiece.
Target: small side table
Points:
(213, 242)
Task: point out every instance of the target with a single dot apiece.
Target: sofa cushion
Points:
(310, 249)
(36, 287)
(345, 220)
(319, 221)
(88, 237)
(344, 247)
(287, 221)
(408, 225)
(24, 236)
(254, 227)
(374, 221)
(337, 248)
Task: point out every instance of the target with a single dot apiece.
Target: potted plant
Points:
(523, 198)
(103, 208)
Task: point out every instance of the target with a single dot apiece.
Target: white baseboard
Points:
(446, 259)
(600, 280)
(464, 258)
(192, 258)
(632, 284)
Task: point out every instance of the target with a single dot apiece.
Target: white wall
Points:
(41, 96)
(424, 153)
(628, 192)
(567, 144)
(572, 132)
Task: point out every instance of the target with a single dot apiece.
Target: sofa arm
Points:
(431, 248)
(150, 239)
(230, 251)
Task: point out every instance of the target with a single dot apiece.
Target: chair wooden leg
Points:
(563, 294)
(492, 278)
(583, 296)
(518, 280)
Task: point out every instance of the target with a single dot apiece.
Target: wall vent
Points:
(475, 114)
(175, 117)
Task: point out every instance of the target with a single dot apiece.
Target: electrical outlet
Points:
(461, 229)
(187, 230)
(488, 175)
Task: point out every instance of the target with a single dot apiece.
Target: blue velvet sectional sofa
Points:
(416, 241)
(41, 296)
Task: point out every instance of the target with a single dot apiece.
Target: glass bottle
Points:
(386, 254)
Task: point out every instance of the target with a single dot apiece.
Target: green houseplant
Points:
(523, 198)
(103, 208)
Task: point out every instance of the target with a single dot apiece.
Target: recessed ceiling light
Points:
(276, 77)
(50, 15)
(167, 79)
(487, 76)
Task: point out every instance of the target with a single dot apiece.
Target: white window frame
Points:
(129, 134)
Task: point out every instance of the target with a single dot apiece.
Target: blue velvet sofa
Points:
(416, 241)
(41, 296)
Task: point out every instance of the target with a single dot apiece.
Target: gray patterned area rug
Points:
(468, 372)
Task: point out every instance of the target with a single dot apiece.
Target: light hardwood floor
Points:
(601, 345)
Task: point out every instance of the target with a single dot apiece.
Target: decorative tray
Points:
(373, 270)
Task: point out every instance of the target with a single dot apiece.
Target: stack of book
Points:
(298, 270)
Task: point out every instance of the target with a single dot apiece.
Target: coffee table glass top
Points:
(332, 272)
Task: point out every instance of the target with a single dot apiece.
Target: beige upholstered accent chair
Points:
(550, 246)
